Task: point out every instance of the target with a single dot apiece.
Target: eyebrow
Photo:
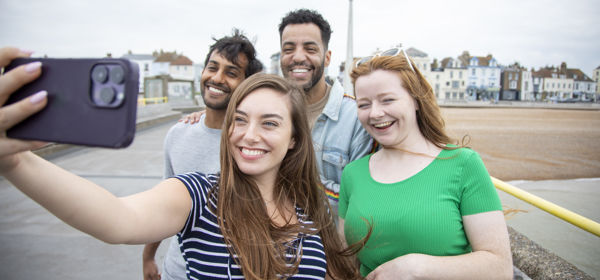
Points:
(264, 116)
(228, 66)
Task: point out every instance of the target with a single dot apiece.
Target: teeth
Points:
(252, 152)
(215, 90)
(379, 125)
(300, 70)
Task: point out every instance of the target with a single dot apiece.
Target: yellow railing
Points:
(153, 100)
(560, 212)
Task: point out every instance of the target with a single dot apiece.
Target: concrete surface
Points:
(36, 245)
(571, 243)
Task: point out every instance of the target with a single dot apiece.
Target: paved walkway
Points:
(36, 245)
(573, 244)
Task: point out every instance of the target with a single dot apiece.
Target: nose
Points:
(376, 111)
(219, 77)
(252, 133)
(298, 55)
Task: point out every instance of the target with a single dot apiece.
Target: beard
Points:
(216, 105)
(317, 74)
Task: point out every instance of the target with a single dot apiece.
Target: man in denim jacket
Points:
(338, 136)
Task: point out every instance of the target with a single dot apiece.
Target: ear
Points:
(327, 58)
(292, 143)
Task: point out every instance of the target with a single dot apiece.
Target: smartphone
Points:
(91, 102)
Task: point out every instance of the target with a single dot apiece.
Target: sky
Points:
(535, 33)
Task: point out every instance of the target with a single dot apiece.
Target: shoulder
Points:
(357, 165)
(195, 180)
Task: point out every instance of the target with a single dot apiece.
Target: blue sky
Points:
(533, 32)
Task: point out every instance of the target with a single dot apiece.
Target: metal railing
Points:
(560, 212)
(152, 100)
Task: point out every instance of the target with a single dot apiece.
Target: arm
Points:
(490, 259)
(140, 218)
(149, 267)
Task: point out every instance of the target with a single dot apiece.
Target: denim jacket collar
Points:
(332, 108)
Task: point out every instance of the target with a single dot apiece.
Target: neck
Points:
(317, 92)
(214, 118)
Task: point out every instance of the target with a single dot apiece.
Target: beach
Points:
(531, 143)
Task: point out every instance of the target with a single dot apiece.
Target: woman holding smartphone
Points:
(265, 216)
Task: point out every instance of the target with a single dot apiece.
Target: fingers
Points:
(15, 113)
(9, 53)
(12, 146)
(16, 78)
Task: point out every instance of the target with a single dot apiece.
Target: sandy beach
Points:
(530, 143)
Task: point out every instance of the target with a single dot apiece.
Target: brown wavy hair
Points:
(429, 117)
(241, 211)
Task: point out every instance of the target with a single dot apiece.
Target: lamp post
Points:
(349, 56)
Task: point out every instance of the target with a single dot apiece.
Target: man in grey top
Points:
(191, 148)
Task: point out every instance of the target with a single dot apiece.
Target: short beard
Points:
(315, 79)
(217, 106)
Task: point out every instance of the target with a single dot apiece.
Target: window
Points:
(576, 86)
(447, 84)
(526, 86)
(473, 71)
(437, 77)
(461, 95)
(483, 72)
(454, 84)
(460, 74)
(513, 84)
(447, 95)
(451, 74)
(146, 66)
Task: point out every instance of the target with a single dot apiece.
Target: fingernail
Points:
(33, 66)
(28, 52)
(38, 97)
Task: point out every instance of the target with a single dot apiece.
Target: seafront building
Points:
(167, 76)
(562, 84)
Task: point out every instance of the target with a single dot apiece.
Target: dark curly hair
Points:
(307, 16)
(231, 46)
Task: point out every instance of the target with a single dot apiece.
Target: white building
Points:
(483, 76)
(144, 62)
(449, 80)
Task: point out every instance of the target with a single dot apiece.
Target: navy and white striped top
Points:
(204, 249)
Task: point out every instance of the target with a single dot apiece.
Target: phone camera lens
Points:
(117, 75)
(107, 95)
(100, 73)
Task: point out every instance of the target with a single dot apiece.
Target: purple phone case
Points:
(71, 115)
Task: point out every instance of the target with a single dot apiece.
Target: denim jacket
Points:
(338, 138)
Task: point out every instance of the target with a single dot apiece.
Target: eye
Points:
(271, 123)
(239, 120)
(388, 100)
(232, 74)
(363, 105)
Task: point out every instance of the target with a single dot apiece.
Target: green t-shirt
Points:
(421, 214)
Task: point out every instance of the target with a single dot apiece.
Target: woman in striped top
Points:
(265, 216)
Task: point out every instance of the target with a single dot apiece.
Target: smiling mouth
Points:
(300, 70)
(383, 125)
(252, 152)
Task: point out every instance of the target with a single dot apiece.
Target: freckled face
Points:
(385, 108)
(262, 132)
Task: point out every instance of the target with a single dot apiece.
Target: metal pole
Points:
(349, 54)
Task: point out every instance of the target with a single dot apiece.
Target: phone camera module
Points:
(107, 95)
(100, 74)
(117, 74)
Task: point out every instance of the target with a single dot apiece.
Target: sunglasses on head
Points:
(390, 52)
